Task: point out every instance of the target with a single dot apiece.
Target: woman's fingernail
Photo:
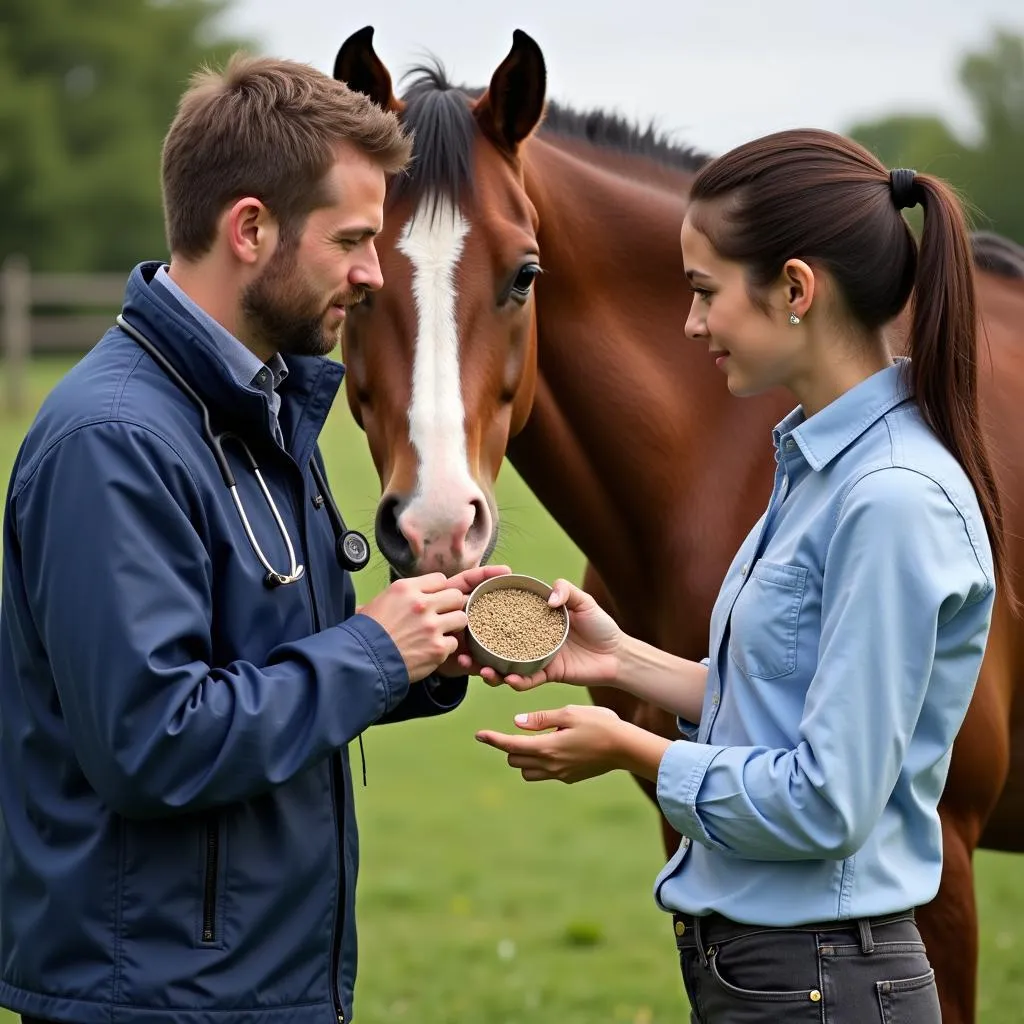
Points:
(522, 719)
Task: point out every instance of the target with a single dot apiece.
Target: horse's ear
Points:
(514, 102)
(359, 67)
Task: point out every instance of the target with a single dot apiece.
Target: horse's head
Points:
(441, 364)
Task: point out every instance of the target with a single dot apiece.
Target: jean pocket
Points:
(909, 999)
(765, 619)
(768, 968)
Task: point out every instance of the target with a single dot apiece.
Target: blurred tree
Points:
(87, 91)
(990, 173)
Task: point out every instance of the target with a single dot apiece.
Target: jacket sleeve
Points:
(434, 695)
(118, 579)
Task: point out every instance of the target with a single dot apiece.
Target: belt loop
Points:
(699, 939)
(867, 941)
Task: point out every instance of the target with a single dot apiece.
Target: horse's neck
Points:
(633, 443)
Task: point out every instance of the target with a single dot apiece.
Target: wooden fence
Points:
(48, 313)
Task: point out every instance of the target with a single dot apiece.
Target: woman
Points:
(848, 634)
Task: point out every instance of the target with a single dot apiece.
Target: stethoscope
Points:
(351, 548)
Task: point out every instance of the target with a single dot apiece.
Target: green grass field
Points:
(484, 900)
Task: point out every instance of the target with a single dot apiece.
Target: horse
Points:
(533, 308)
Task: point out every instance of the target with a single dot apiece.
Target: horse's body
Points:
(623, 428)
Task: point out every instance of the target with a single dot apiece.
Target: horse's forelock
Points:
(438, 114)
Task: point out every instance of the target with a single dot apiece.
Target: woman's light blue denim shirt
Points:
(845, 646)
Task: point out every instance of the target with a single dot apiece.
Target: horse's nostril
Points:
(387, 515)
(480, 521)
(391, 541)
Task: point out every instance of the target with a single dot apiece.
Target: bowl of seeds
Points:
(512, 628)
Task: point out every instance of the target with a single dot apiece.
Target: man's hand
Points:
(460, 663)
(423, 615)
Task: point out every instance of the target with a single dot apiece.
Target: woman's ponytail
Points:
(944, 344)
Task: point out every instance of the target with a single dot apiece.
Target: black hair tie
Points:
(903, 182)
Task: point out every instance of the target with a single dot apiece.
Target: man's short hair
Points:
(265, 128)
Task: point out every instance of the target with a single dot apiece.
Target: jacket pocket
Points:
(211, 857)
(765, 620)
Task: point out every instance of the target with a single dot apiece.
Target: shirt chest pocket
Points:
(765, 620)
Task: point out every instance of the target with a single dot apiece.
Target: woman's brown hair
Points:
(822, 198)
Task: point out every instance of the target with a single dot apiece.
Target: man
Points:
(177, 836)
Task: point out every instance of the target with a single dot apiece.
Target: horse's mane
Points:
(614, 132)
(997, 255)
(438, 113)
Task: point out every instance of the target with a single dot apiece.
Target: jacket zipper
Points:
(210, 882)
(339, 920)
(339, 826)
(336, 790)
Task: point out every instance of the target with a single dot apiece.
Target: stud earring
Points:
(794, 319)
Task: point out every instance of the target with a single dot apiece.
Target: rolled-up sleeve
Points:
(901, 574)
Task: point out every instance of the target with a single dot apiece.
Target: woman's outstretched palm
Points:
(588, 657)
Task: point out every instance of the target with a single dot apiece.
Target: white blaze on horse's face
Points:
(448, 515)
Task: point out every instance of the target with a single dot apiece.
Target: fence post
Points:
(17, 302)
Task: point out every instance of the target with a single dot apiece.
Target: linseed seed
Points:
(516, 624)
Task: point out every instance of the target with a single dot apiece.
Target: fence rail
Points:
(50, 312)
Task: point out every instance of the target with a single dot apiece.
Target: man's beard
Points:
(283, 315)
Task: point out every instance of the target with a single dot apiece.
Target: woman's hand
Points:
(583, 746)
(588, 741)
(589, 655)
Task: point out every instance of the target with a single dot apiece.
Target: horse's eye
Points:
(524, 280)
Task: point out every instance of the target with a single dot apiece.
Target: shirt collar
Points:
(309, 391)
(245, 366)
(829, 432)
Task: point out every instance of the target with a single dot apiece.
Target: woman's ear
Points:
(798, 284)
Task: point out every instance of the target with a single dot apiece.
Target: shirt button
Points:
(680, 928)
(714, 700)
(686, 842)
(743, 571)
(262, 376)
(790, 445)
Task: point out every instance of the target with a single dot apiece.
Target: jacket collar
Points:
(307, 392)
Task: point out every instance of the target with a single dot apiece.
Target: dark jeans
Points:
(850, 972)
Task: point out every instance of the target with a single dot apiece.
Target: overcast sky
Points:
(713, 74)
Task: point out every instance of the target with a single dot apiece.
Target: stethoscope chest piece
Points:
(352, 550)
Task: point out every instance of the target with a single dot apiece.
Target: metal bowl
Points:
(506, 666)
